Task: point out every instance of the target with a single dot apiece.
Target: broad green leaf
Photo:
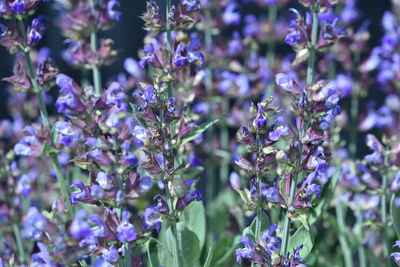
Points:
(196, 132)
(218, 213)
(152, 248)
(164, 249)
(189, 245)
(301, 237)
(395, 211)
(194, 218)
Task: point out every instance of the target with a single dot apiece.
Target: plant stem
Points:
(348, 260)
(386, 247)
(211, 170)
(20, 247)
(313, 48)
(286, 224)
(62, 184)
(44, 115)
(259, 200)
(272, 13)
(224, 139)
(175, 246)
(354, 107)
(93, 45)
(302, 131)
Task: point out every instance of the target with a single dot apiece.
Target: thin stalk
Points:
(62, 184)
(211, 170)
(313, 48)
(348, 259)
(286, 224)
(175, 246)
(272, 14)
(386, 247)
(93, 45)
(224, 139)
(20, 247)
(44, 115)
(354, 107)
(360, 247)
(259, 200)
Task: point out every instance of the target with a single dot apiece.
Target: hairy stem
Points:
(93, 45)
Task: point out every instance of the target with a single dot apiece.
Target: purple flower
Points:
(114, 95)
(80, 228)
(112, 13)
(284, 81)
(80, 195)
(111, 254)
(104, 180)
(230, 17)
(247, 252)
(126, 231)
(188, 198)
(140, 133)
(18, 7)
(234, 180)
(272, 243)
(133, 68)
(191, 5)
(151, 218)
(34, 224)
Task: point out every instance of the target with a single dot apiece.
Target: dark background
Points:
(128, 37)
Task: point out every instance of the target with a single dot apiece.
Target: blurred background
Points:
(128, 38)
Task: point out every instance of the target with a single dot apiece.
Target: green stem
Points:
(224, 139)
(354, 107)
(259, 200)
(313, 48)
(348, 259)
(175, 246)
(62, 184)
(211, 170)
(272, 13)
(44, 115)
(286, 224)
(386, 247)
(360, 247)
(93, 45)
(20, 247)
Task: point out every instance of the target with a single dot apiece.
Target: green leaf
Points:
(152, 248)
(189, 245)
(48, 149)
(301, 237)
(196, 132)
(250, 231)
(395, 211)
(218, 213)
(194, 218)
